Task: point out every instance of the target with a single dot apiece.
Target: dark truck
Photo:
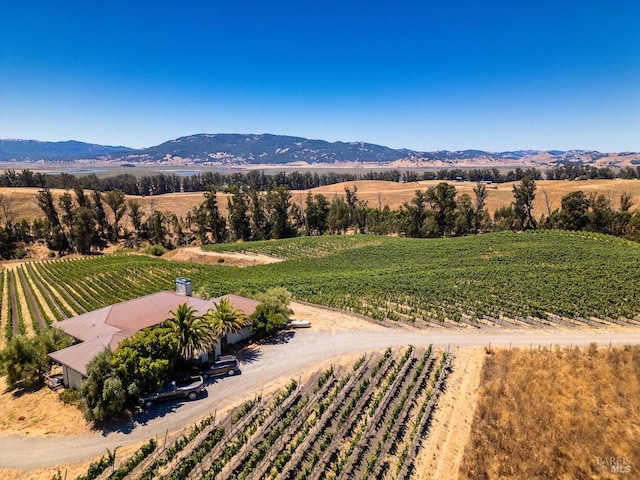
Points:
(182, 388)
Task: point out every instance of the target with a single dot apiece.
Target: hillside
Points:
(266, 149)
(33, 150)
(375, 193)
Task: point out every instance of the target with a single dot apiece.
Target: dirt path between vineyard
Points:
(443, 448)
(333, 337)
(230, 259)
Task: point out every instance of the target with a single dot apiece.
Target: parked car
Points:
(224, 365)
(181, 388)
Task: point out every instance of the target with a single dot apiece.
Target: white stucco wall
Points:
(239, 336)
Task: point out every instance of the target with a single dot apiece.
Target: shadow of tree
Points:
(142, 416)
(280, 338)
(249, 354)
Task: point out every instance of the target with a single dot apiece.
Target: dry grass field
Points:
(375, 193)
(560, 414)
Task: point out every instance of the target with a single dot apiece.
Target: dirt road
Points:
(264, 367)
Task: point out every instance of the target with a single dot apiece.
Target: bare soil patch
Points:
(332, 320)
(443, 448)
(231, 259)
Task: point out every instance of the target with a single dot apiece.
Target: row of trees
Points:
(588, 172)
(81, 221)
(162, 183)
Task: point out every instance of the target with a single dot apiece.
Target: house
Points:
(108, 326)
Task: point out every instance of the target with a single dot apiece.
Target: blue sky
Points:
(417, 74)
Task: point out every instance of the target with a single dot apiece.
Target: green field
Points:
(526, 276)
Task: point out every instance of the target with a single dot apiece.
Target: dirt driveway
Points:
(333, 336)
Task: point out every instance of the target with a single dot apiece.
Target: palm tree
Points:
(225, 318)
(194, 334)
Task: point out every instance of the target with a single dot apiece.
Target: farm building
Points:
(108, 326)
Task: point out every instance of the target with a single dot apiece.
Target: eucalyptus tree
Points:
(525, 194)
(238, 214)
(117, 203)
(135, 215)
(442, 198)
(480, 214)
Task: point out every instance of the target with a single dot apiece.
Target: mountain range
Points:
(267, 149)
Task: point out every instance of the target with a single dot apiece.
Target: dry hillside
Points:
(23, 202)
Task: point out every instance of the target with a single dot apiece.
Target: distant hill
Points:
(33, 150)
(266, 149)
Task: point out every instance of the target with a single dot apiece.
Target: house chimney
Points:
(183, 286)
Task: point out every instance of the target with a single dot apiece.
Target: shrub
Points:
(24, 360)
(156, 250)
(70, 396)
(266, 321)
(21, 253)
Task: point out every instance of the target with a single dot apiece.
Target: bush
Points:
(266, 321)
(102, 390)
(273, 312)
(156, 250)
(70, 396)
(140, 364)
(21, 253)
(24, 360)
(278, 299)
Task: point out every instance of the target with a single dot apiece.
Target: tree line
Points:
(84, 221)
(253, 180)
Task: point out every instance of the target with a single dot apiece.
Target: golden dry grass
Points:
(378, 193)
(556, 414)
(375, 193)
(38, 413)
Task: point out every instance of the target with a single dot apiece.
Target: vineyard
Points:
(534, 278)
(364, 421)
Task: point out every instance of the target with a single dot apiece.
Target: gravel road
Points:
(267, 365)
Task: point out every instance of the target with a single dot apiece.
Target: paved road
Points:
(268, 364)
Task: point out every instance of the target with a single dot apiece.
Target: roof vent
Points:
(183, 286)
